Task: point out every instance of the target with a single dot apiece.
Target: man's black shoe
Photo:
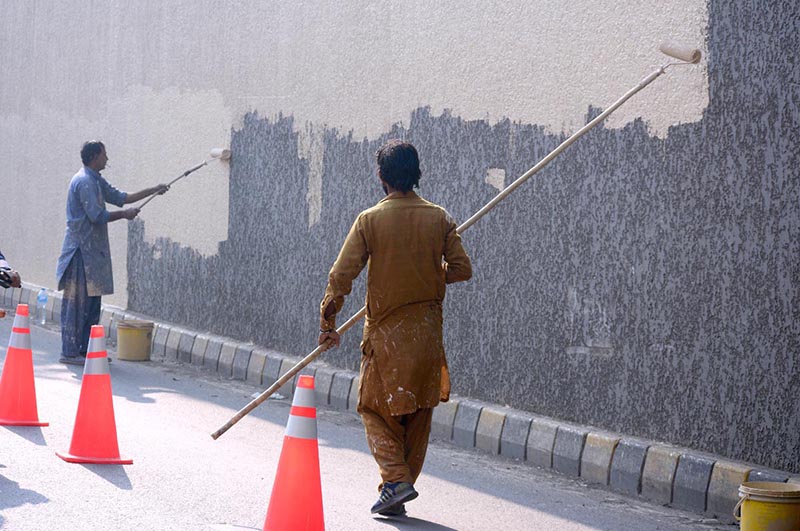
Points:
(72, 360)
(397, 510)
(393, 494)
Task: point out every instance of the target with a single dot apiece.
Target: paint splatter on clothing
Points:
(411, 249)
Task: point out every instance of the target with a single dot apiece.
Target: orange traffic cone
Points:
(94, 437)
(17, 390)
(296, 501)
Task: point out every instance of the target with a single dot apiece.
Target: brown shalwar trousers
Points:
(398, 443)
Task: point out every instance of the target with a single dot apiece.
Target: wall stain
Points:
(643, 285)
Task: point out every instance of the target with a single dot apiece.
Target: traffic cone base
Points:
(69, 458)
(94, 437)
(17, 388)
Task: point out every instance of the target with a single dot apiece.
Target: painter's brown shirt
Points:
(412, 250)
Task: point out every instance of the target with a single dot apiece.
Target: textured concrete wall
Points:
(646, 282)
(161, 84)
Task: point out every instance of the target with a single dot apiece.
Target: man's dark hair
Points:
(398, 163)
(90, 150)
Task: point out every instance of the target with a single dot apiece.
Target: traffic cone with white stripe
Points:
(296, 501)
(17, 389)
(94, 437)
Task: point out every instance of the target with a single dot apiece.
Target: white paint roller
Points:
(680, 51)
(220, 153)
(215, 153)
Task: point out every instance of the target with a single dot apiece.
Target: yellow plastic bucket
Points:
(134, 339)
(768, 506)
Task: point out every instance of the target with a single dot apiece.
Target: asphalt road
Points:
(181, 479)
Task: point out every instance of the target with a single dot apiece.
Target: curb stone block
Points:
(16, 294)
(25, 298)
(241, 359)
(659, 473)
(340, 390)
(352, 401)
(226, 355)
(272, 367)
(691, 482)
(160, 340)
(173, 340)
(723, 489)
(51, 304)
(489, 430)
(568, 449)
(185, 345)
(287, 389)
(211, 355)
(255, 366)
(444, 417)
(105, 319)
(765, 474)
(541, 440)
(466, 423)
(515, 435)
(116, 316)
(596, 459)
(627, 466)
(199, 349)
(322, 385)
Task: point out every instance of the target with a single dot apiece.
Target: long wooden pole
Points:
(461, 228)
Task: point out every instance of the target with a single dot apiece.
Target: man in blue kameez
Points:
(84, 268)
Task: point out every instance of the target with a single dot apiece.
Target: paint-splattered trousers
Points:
(79, 311)
(398, 443)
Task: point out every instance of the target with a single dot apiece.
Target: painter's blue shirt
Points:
(87, 230)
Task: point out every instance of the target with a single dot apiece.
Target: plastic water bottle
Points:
(41, 305)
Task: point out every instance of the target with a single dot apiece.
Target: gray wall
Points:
(641, 284)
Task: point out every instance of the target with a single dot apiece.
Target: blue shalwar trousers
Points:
(79, 311)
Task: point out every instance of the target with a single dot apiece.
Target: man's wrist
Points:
(327, 330)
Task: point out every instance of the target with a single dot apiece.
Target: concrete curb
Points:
(541, 441)
(466, 423)
(568, 449)
(723, 489)
(658, 474)
(662, 474)
(514, 437)
(444, 418)
(691, 482)
(255, 366)
(597, 455)
(340, 390)
(489, 429)
(199, 349)
(627, 466)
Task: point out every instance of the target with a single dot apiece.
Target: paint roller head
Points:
(220, 153)
(681, 51)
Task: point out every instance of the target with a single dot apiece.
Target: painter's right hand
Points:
(332, 336)
(131, 213)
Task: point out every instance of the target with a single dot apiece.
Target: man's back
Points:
(407, 238)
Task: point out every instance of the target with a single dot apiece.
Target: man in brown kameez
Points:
(412, 250)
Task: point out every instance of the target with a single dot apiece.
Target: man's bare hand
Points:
(161, 189)
(130, 213)
(333, 336)
(15, 280)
